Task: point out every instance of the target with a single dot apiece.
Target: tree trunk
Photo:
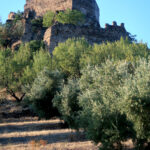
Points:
(12, 93)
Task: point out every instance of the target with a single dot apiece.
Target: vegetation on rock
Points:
(65, 17)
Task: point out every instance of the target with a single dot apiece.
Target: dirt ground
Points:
(20, 129)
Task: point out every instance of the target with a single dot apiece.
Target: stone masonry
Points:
(90, 30)
(40, 7)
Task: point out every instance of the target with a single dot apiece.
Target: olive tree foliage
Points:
(136, 95)
(68, 56)
(112, 102)
(75, 54)
(13, 68)
(11, 31)
(93, 103)
(67, 103)
(65, 17)
(41, 59)
(101, 115)
(42, 92)
(119, 50)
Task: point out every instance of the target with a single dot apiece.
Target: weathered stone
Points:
(11, 16)
(15, 46)
(60, 33)
(90, 30)
(122, 25)
(87, 7)
(114, 23)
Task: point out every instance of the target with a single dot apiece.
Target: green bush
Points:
(11, 31)
(74, 54)
(36, 45)
(70, 17)
(48, 19)
(67, 56)
(37, 24)
(18, 16)
(136, 96)
(13, 67)
(119, 50)
(110, 102)
(67, 103)
(42, 92)
(40, 60)
(65, 17)
(101, 115)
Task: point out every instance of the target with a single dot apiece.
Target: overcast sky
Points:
(134, 13)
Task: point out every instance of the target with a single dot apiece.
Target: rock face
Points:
(90, 30)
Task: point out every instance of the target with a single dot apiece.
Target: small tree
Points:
(13, 66)
(42, 92)
(48, 19)
(65, 17)
(67, 102)
(136, 97)
(68, 55)
(70, 17)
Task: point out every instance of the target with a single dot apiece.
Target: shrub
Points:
(40, 60)
(48, 19)
(11, 32)
(65, 17)
(70, 17)
(37, 24)
(101, 115)
(67, 56)
(75, 54)
(67, 103)
(42, 92)
(136, 96)
(36, 45)
(13, 72)
(119, 50)
(18, 16)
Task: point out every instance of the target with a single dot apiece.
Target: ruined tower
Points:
(88, 7)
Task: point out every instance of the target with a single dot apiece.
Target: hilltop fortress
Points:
(90, 30)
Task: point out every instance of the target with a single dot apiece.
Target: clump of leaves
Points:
(37, 24)
(65, 17)
(42, 92)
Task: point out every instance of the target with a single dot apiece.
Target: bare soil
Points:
(20, 129)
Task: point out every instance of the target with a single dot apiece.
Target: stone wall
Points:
(39, 7)
(90, 30)
(60, 33)
(42, 6)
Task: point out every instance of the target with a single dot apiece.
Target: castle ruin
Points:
(90, 30)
